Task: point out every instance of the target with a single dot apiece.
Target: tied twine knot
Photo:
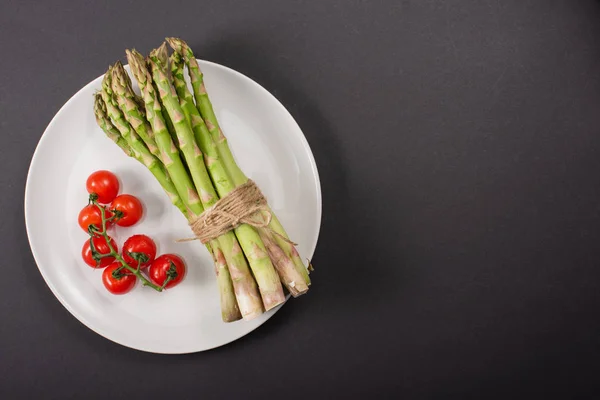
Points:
(243, 205)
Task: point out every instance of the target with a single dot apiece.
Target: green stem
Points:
(165, 282)
(116, 254)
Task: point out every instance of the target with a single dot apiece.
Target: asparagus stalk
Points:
(229, 313)
(126, 99)
(264, 272)
(205, 108)
(222, 182)
(294, 282)
(109, 129)
(286, 269)
(244, 285)
(226, 286)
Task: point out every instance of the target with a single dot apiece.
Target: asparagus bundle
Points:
(134, 148)
(205, 108)
(176, 135)
(244, 284)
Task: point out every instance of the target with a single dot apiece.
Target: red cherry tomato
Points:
(101, 248)
(139, 247)
(167, 266)
(91, 215)
(131, 208)
(118, 283)
(104, 184)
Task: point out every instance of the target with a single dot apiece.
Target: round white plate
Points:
(270, 148)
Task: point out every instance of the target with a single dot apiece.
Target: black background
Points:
(459, 151)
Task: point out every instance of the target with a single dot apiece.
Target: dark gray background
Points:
(459, 149)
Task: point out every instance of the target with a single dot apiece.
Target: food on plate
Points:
(173, 131)
(90, 217)
(128, 208)
(167, 270)
(104, 185)
(96, 252)
(117, 279)
(139, 250)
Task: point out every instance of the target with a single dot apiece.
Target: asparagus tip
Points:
(176, 58)
(174, 42)
(106, 81)
(181, 47)
(119, 74)
(99, 108)
(160, 54)
(137, 63)
(177, 44)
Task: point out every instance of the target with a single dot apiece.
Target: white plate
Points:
(270, 148)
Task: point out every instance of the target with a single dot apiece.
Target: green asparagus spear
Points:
(126, 99)
(109, 129)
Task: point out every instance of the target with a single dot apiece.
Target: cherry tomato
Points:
(139, 247)
(130, 207)
(91, 215)
(101, 248)
(118, 283)
(167, 266)
(104, 184)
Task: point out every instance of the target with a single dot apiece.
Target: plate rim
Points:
(67, 305)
